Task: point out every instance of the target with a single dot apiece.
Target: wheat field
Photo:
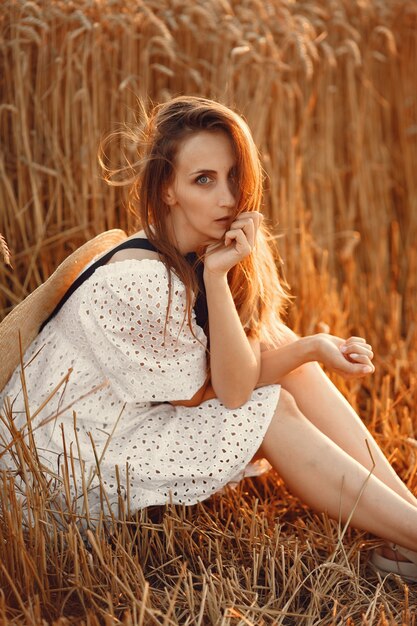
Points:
(329, 90)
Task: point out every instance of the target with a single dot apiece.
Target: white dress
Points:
(122, 362)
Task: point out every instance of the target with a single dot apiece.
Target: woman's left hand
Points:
(351, 358)
(238, 243)
(357, 350)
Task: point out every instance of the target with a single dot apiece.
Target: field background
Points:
(329, 90)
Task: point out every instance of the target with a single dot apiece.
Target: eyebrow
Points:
(206, 171)
(203, 171)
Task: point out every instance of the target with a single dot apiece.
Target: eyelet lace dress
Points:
(100, 376)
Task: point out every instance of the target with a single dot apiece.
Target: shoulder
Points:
(136, 269)
(120, 289)
(135, 274)
(131, 267)
(134, 254)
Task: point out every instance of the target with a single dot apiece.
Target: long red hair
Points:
(254, 282)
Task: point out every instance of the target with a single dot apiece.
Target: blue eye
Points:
(203, 179)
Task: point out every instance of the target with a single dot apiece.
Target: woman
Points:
(174, 398)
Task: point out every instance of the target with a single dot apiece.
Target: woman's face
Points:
(202, 197)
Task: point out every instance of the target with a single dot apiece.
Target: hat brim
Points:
(27, 317)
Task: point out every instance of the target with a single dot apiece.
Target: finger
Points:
(238, 237)
(360, 358)
(240, 222)
(212, 247)
(254, 216)
(357, 370)
(364, 366)
(365, 370)
(248, 227)
(355, 340)
(355, 348)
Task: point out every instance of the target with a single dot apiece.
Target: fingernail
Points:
(354, 356)
(367, 369)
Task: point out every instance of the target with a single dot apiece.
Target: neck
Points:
(179, 238)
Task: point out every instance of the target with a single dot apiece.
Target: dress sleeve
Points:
(146, 356)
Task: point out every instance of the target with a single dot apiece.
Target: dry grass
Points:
(328, 88)
(253, 555)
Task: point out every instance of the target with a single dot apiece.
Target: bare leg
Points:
(322, 403)
(328, 479)
(325, 407)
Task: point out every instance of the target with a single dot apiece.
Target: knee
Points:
(286, 416)
(287, 404)
(287, 335)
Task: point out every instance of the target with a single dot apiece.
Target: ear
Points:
(169, 196)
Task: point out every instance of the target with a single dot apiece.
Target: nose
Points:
(227, 196)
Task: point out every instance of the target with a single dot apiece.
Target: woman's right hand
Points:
(239, 241)
(351, 358)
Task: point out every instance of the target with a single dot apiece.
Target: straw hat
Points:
(28, 315)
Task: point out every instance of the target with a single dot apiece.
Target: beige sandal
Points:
(405, 569)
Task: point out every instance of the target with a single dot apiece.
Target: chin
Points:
(218, 235)
(220, 228)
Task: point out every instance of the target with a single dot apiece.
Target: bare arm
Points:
(351, 359)
(236, 363)
(234, 358)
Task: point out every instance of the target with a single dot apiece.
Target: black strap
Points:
(200, 306)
